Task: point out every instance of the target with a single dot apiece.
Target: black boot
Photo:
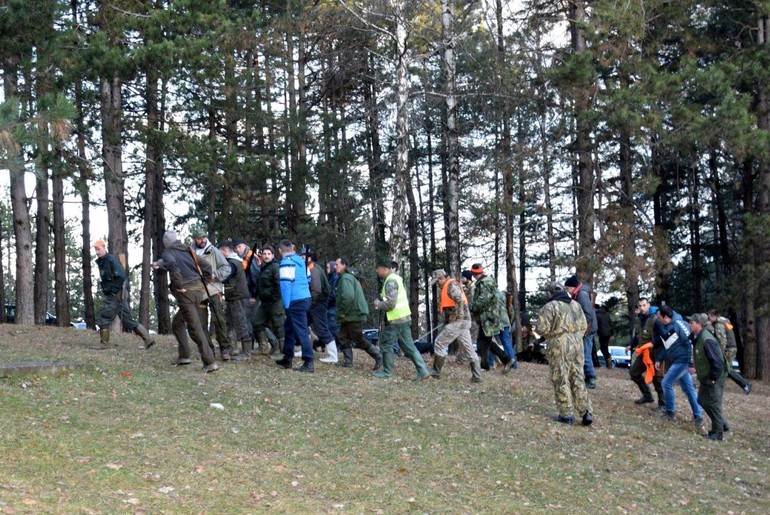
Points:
(375, 353)
(347, 355)
(438, 364)
(284, 362)
(307, 366)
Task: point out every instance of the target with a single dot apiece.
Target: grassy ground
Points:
(134, 435)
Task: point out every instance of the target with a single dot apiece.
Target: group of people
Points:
(669, 350)
(275, 297)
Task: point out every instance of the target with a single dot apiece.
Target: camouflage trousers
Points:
(565, 359)
(459, 331)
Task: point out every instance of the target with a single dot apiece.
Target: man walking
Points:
(352, 310)
(646, 347)
(485, 307)
(453, 305)
(319, 295)
(677, 352)
(582, 293)
(562, 322)
(398, 322)
(205, 251)
(113, 278)
(711, 369)
(186, 277)
(295, 295)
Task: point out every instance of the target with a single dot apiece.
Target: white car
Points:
(620, 358)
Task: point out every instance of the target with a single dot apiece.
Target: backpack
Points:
(729, 330)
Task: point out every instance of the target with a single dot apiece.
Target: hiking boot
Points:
(307, 366)
(143, 333)
(375, 353)
(438, 364)
(591, 383)
(668, 415)
(241, 356)
(564, 420)
(213, 367)
(747, 388)
(508, 366)
(178, 362)
(226, 355)
(588, 419)
(644, 399)
(421, 375)
(284, 362)
(715, 436)
(475, 372)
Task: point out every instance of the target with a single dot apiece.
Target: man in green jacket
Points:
(352, 309)
(394, 302)
(113, 275)
(711, 370)
(486, 310)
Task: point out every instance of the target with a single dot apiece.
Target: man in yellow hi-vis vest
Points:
(398, 322)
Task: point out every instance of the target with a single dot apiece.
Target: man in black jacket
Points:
(113, 277)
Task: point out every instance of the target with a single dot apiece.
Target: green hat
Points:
(199, 231)
(383, 261)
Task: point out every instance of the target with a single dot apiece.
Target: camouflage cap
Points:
(555, 287)
(436, 275)
(700, 318)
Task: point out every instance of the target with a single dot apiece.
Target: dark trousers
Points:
(218, 320)
(111, 308)
(710, 399)
(604, 345)
(272, 314)
(295, 330)
(487, 344)
(187, 321)
(320, 323)
(637, 376)
(351, 335)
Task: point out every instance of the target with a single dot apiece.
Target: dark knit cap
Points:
(467, 274)
(572, 282)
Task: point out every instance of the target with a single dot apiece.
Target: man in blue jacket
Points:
(295, 294)
(674, 332)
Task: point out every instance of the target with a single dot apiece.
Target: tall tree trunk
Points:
(22, 229)
(60, 249)
(757, 348)
(451, 141)
(585, 166)
(629, 260)
(723, 258)
(151, 170)
(414, 261)
(374, 161)
(42, 239)
(398, 224)
(695, 248)
(112, 158)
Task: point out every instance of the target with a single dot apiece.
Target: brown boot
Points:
(142, 331)
(104, 342)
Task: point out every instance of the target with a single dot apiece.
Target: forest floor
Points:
(134, 435)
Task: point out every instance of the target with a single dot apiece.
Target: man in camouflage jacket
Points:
(487, 311)
(562, 322)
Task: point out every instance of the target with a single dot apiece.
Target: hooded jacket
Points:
(582, 294)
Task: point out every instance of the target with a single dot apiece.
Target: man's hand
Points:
(657, 365)
(377, 303)
(252, 301)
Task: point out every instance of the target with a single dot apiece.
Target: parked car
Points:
(372, 335)
(620, 358)
(10, 317)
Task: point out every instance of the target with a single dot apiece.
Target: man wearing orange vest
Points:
(453, 304)
(398, 322)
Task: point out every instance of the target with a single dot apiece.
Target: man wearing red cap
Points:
(486, 309)
(113, 277)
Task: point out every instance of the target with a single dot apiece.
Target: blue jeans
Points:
(588, 362)
(505, 336)
(295, 330)
(679, 373)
